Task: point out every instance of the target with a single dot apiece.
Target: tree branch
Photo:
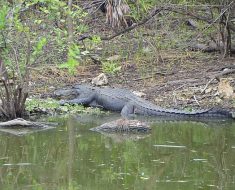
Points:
(154, 13)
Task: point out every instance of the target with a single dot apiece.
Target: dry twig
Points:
(225, 72)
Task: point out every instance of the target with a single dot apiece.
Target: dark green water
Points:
(176, 155)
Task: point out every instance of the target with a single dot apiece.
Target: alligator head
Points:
(74, 92)
(82, 88)
(65, 93)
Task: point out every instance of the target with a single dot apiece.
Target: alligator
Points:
(123, 126)
(126, 102)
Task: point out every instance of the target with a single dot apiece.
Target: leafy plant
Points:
(19, 40)
(39, 46)
(140, 8)
(111, 67)
(3, 14)
(74, 55)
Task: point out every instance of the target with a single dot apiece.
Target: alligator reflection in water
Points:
(22, 130)
(177, 155)
(21, 127)
(122, 137)
(123, 129)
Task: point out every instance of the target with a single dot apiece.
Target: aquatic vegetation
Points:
(52, 107)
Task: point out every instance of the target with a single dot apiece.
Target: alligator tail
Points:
(221, 113)
(209, 113)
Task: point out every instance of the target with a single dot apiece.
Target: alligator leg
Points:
(128, 110)
(84, 101)
(94, 104)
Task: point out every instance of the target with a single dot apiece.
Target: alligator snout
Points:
(65, 94)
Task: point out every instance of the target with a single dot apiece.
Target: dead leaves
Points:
(225, 89)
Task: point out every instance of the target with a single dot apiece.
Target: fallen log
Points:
(19, 122)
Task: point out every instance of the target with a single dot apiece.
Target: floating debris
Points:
(169, 146)
(200, 159)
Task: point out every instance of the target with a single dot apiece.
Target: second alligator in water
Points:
(124, 101)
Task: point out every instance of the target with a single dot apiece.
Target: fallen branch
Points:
(151, 76)
(154, 13)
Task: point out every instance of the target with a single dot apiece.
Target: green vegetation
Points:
(24, 46)
(52, 106)
(74, 55)
(111, 67)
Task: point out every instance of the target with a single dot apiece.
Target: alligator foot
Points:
(62, 102)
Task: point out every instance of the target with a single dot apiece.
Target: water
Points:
(176, 155)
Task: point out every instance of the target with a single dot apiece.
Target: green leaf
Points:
(71, 65)
(41, 43)
(96, 39)
(3, 14)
